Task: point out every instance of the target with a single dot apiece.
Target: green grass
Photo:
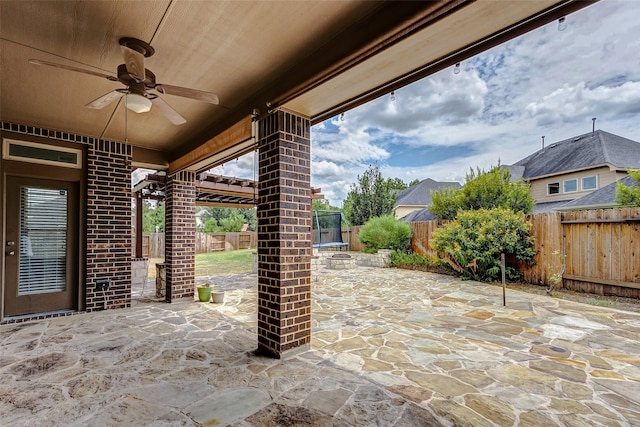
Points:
(224, 262)
(210, 264)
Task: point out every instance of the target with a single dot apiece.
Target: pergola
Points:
(211, 190)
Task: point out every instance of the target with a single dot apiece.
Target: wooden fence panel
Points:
(422, 235)
(350, 234)
(206, 242)
(546, 230)
(603, 251)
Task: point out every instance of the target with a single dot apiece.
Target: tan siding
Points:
(402, 211)
(539, 186)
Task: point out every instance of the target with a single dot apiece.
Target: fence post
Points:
(504, 281)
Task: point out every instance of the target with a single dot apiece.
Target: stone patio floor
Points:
(390, 348)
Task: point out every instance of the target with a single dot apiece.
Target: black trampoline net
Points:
(327, 228)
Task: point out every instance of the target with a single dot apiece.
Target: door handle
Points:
(10, 253)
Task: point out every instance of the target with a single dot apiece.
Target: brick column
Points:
(284, 235)
(180, 234)
(108, 224)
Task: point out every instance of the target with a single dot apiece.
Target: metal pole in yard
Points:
(504, 282)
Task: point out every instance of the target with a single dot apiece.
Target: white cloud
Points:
(324, 168)
(571, 104)
(544, 83)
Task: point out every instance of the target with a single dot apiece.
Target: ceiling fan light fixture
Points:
(138, 103)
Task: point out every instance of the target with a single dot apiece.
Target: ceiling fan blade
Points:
(200, 95)
(168, 111)
(104, 100)
(70, 68)
(134, 61)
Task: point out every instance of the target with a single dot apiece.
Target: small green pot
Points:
(204, 294)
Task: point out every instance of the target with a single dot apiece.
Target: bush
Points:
(410, 261)
(385, 232)
(483, 190)
(472, 243)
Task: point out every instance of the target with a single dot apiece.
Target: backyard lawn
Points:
(212, 263)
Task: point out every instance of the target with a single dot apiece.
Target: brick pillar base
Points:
(180, 235)
(284, 235)
(108, 224)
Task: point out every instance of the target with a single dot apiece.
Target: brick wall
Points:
(180, 244)
(108, 224)
(284, 234)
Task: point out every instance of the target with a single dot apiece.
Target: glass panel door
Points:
(43, 240)
(41, 247)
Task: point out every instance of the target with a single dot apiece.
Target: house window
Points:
(570, 185)
(590, 182)
(553, 188)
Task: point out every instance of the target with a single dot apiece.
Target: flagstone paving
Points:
(389, 348)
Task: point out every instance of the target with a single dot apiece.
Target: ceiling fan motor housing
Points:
(126, 79)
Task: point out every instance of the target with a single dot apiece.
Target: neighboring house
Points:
(602, 198)
(418, 197)
(571, 169)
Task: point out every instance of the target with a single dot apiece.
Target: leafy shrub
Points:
(385, 232)
(412, 261)
(472, 243)
(483, 190)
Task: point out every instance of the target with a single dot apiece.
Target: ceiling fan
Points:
(139, 82)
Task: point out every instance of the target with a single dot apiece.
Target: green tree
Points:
(234, 222)
(230, 215)
(629, 195)
(323, 205)
(152, 216)
(373, 196)
(483, 190)
(211, 226)
(472, 244)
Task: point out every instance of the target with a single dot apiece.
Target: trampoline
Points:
(327, 230)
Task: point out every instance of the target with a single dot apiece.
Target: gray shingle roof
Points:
(420, 194)
(582, 152)
(420, 215)
(549, 207)
(602, 197)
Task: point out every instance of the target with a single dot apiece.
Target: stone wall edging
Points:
(381, 259)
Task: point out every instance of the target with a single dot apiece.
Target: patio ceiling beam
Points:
(225, 204)
(544, 17)
(220, 188)
(226, 145)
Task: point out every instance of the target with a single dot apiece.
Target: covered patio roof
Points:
(315, 58)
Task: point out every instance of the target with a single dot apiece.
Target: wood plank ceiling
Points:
(317, 58)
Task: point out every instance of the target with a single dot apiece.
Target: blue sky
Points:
(547, 82)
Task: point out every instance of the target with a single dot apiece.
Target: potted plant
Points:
(217, 297)
(204, 292)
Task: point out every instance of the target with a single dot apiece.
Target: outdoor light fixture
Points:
(342, 117)
(562, 24)
(393, 96)
(138, 103)
(456, 69)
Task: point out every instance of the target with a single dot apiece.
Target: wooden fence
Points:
(205, 242)
(602, 249)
